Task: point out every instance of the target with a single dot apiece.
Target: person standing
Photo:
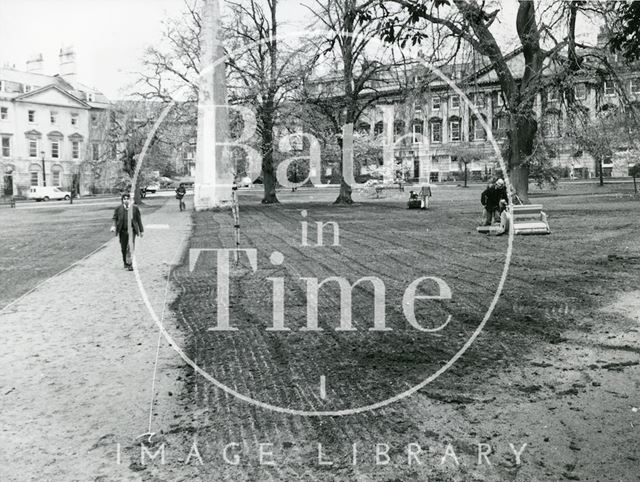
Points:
(180, 192)
(127, 221)
(489, 203)
(425, 194)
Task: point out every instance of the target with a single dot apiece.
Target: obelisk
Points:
(214, 176)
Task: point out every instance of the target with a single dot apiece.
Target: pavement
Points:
(79, 359)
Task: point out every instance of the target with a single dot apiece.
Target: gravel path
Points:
(78, 360)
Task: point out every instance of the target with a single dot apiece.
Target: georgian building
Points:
(435, 129)
(49, 128)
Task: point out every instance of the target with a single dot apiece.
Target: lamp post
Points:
(44, 174)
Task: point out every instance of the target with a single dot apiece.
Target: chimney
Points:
(68, 63)
(35, 64)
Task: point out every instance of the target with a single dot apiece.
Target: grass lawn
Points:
(592, 253)
(41, 240)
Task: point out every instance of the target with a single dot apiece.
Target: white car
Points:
(245, 182)
(46, 193)
(152, 188)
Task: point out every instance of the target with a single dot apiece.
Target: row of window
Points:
(476, 130)
(11, 87)
(480, 99)
(55, 149)
(54, 180)
(54, 117)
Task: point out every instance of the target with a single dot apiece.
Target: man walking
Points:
(126, 220)
(180, 192)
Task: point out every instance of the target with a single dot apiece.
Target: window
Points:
(609, 88)
(28, 88)
(398, 128)
(553, 94)
(33, 148)
(479, 101)
(94, 120)
(454, 130)
(552, 125)
(363, 128)
(634, 86)
(378, 129)
(56, 178)
(499, 100)
(581, 91)
(435, 103)
(74, 119)
(4, 113)
(95, 151)
(417, 107)
(53, 115)
(436, 131)
(75, 149)
(455, 101)
(55, 149)
(31, 115)
(6, 146)
(34, 178)
(499, 126)
(417, 132)
(91, 97)
(477, 131)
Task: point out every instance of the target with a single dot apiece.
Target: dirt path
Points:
(77, 359)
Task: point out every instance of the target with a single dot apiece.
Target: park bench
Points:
(524, 219)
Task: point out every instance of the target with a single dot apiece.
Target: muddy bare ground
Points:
(556, 368)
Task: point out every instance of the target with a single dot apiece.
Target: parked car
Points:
(152, 187)
(244, 182)
(46, 193)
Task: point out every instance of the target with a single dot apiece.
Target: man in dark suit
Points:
(126, 220)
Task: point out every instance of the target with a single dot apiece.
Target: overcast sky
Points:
(110, 36)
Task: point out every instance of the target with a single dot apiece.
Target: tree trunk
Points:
(465, 174)
(345, 194)
(635, 186)
(345, 190)
(268, 174)
(521, 142)
(601, 174)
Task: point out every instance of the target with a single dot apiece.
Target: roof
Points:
(37, 81)
(35, 93)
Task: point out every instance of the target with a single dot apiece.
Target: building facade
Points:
(49, 128)
(436, 132)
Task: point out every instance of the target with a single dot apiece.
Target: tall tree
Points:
(261, 72)
(472, 22)
(347, 48)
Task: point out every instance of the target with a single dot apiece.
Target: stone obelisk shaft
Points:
(214, 175)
